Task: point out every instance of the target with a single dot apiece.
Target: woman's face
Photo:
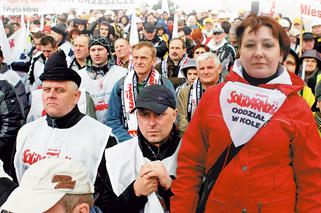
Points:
(123, 21)
(290, 63)
(260, 52)
(199, 51)
(310, 64)
(103, 31)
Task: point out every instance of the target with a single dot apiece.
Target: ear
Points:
(175, 113)
(154, 61)
(82, 208)
(77, 96)
(219, 68)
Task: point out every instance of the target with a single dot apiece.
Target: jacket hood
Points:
(286, 82)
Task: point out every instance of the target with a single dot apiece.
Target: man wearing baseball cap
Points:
(53, 185)
(151, 36)
(59, 33)
(99, 77)
(223, 49)
(307, 41)
(64, 132)
(141, 179)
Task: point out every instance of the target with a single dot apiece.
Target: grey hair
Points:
(205, 56)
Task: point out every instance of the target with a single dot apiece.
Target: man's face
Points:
(149, 35)
(98, 55)
(36, 42)
(176, 50)
(81, 47)
(59, 97)
(218, 37)
(310, 64)
(181, 35)
(316, 30)
(1, 60)
(208, 72)
(150, 19)
(143, 60)
(58, 37)
(122, 49)
(191, 75)
(308, 44)
(156, 127)
(208, 26)
(48, 50)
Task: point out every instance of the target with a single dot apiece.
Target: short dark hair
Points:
(177, 39)
(48, 40)
(254, 22)
(145, 44)
(1, 54)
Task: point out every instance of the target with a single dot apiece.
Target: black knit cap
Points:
(60, 28)
(56, 69)
(99, 40)
(156, 98)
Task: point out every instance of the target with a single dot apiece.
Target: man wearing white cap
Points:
(225, 51)
(53, 186)
(316, 30)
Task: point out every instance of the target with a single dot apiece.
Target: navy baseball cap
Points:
(156, 98)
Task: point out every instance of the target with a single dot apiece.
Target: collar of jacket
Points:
(285, 82)
(103, 69)
(67, 121)
(3, 68)
(165, 150)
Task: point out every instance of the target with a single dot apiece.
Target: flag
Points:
(175, 27)
(165, 6)
(19, 43)
(4, 43)
(133, 39)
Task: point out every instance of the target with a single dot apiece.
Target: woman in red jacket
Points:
(256, 132)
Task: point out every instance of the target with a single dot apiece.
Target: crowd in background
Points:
(97, 46)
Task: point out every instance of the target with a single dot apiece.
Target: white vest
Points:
(37, 109)
(124, 168)
(37, 71)
(100, 89)
(11, 76)
(84, 142)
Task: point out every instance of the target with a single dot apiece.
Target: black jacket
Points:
(160, 46)
(128, 202)
(11, 119)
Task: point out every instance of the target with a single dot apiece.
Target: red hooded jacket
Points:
(278, 170)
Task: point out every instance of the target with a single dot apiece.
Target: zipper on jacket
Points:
(260, 207)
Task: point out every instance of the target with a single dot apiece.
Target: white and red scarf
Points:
(129, 94)
(181, 63)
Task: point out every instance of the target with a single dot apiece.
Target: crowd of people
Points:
(223, 115)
